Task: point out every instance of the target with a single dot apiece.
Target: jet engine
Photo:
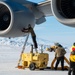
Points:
(64, 11)
(13, 18)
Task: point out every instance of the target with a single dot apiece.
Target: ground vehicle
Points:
(34, 60)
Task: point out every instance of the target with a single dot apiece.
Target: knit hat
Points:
(57, 44)
(74, 44)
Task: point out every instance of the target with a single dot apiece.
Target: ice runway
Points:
(8, 61)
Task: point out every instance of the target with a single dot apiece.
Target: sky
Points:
(54, 31)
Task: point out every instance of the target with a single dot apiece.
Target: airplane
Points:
(18, 14)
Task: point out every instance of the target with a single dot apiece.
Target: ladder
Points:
(18, 66)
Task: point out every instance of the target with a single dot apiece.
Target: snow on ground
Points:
(9, 56)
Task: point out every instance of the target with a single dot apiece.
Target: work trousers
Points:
(34, 41)
(72, 68)
(60, 59)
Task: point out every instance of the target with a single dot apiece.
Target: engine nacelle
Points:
(64, 11)
(13, 18)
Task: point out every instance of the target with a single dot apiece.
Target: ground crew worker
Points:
(59, 55)
(72, 61)
(73, 48)
(30, 30)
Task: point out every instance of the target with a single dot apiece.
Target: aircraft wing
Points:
(45, 8)
(62, 10)
(41, 10)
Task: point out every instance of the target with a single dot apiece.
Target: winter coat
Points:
(32, 31)
(72, 55)
(59, 52)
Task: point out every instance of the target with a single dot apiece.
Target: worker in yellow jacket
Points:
(72, 60)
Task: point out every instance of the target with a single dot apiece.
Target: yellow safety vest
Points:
(72, 58)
